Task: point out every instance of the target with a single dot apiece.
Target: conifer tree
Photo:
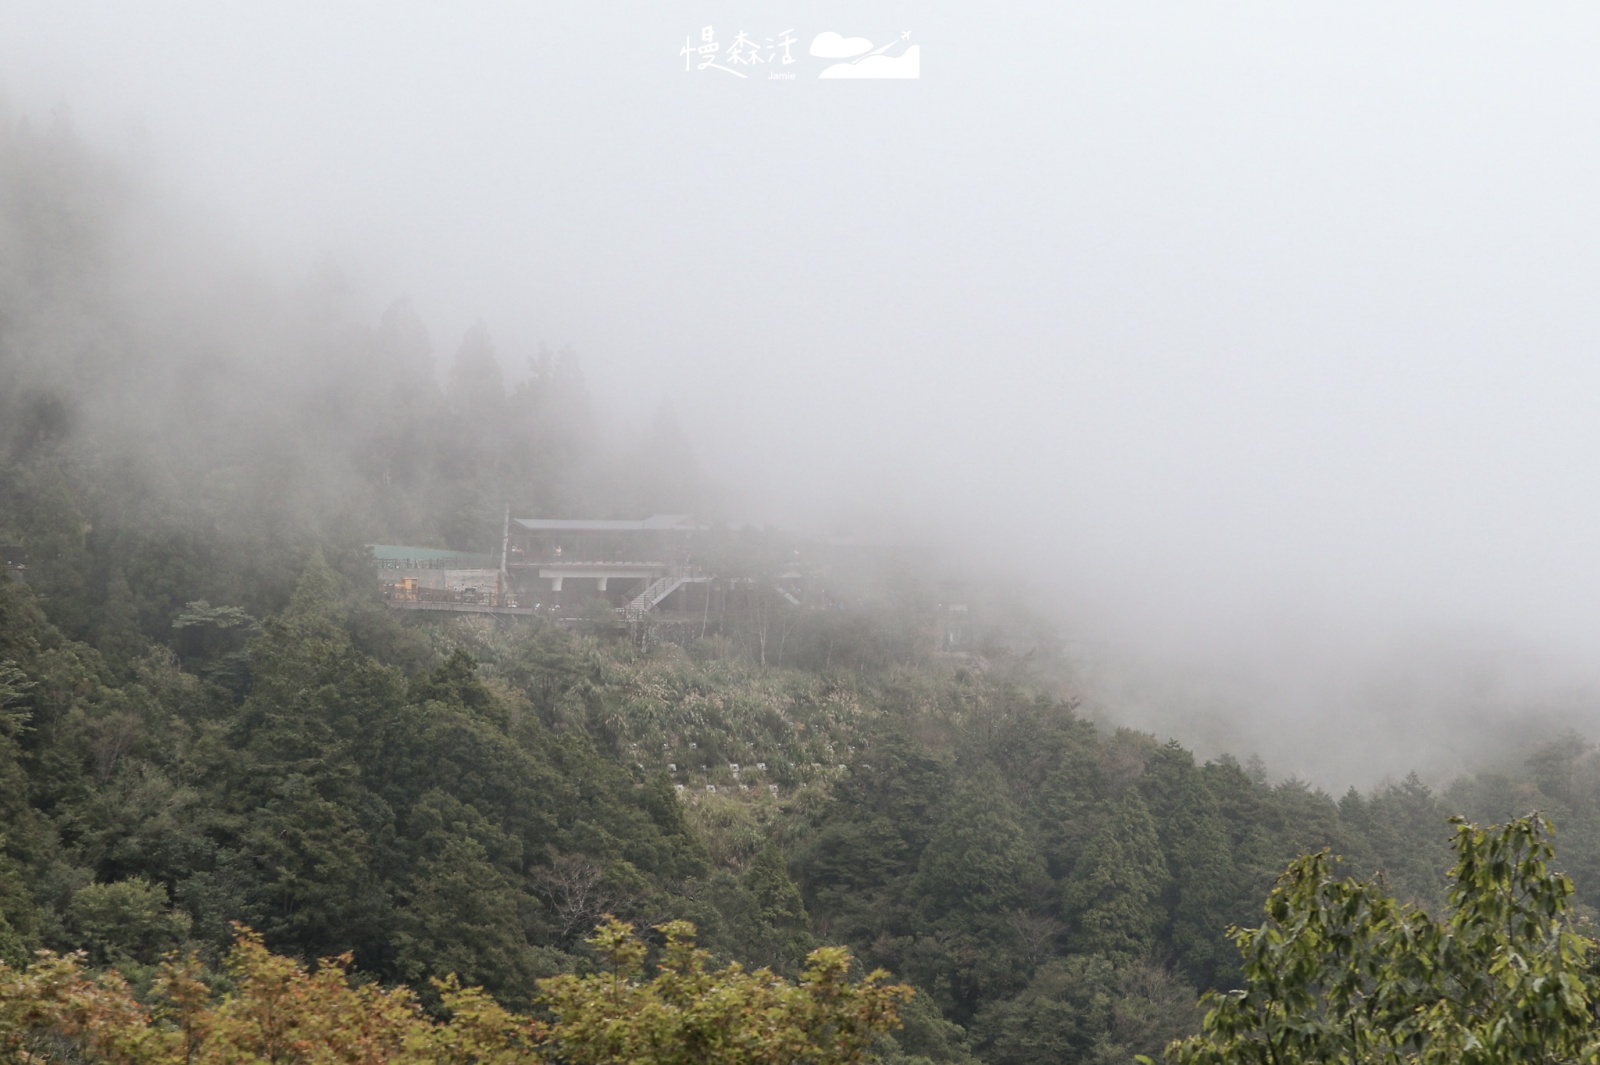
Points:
(1114, 896)
(1203, 880)
(978, 859)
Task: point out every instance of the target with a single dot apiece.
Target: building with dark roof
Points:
(635, 564)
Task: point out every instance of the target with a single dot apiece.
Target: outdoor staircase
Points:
(646, 601)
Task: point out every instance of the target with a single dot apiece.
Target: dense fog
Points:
(1254, 344)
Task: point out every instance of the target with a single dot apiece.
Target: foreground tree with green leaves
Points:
(1342, 972)
(690, 1015)
(282, 1013)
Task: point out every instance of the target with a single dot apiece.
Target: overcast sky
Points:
(1265, 334)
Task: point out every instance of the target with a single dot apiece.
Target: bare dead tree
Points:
(578, 894)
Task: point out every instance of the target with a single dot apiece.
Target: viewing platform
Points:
(545, 565)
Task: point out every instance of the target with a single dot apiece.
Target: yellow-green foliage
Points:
(56, 1011)
(690, 1015)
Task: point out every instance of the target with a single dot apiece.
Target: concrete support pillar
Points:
(555, 584)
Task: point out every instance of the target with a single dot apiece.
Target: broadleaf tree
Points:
(1342, 972)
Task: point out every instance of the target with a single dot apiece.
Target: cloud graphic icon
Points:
(831, 45)
(907, 65)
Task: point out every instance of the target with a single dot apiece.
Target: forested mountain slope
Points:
(1053, 887)
(207, 716)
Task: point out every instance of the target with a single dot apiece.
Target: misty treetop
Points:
(176, 428)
